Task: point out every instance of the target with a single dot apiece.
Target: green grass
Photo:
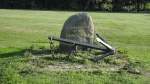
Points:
(20, 29)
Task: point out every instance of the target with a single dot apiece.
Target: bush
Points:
(106, 7)
(147, 7)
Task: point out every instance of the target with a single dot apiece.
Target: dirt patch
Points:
(146, 74)
(46, 61)
(62, 64)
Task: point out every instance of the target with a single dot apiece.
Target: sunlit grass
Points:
(19, 29)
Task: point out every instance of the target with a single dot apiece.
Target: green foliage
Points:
(103, 5)
(106, 7)
(148, 6)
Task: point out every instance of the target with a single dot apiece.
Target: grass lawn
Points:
(20, 29)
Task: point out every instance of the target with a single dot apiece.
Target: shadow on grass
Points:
(12, 54)
(25, 52)
(46, 54)
(55, 54)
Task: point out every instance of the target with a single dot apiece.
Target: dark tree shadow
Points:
(70, 10)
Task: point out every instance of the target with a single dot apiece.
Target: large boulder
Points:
(78, 27)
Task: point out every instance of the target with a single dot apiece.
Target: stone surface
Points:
(78, 27)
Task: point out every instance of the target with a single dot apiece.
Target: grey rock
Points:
(134, 71)
(78, 27)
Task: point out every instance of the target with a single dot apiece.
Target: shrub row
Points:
(103, 5)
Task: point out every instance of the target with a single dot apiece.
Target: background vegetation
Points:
(99, 5)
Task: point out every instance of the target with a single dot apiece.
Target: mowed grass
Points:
(19, 29)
